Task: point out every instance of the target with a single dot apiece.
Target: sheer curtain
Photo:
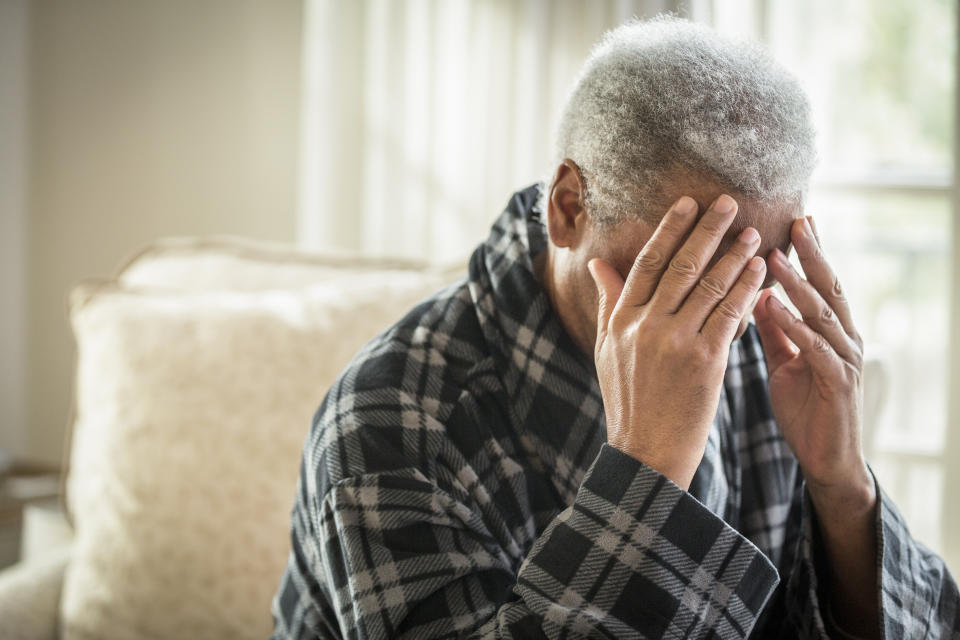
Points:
(882, 79)
(421, 117)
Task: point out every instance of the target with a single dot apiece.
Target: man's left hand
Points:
(815, 369)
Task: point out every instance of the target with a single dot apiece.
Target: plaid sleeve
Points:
(634, 556)
(919, 596)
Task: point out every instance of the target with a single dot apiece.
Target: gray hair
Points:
(666, 95)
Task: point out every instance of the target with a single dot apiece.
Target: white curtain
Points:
(421, 117)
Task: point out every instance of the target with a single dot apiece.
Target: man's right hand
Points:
(664, 335)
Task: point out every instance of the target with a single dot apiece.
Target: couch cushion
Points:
(191, 410)
(205, 263)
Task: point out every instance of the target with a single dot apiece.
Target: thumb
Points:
(609, 285)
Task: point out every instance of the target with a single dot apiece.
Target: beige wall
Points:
(148, 118)
(13, 223)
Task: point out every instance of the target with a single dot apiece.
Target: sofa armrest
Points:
(30, 597)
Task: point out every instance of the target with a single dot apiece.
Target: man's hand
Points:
(816, 389)
(816, 369)
(664, 334)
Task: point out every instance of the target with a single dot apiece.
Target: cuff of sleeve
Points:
(640, 554)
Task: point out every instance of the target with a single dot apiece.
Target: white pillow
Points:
(191, 410)
(205, 263)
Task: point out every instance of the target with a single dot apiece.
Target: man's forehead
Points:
(771, 220)
(770, 217)
(772, 231)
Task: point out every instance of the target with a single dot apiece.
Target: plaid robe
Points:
(456, 482)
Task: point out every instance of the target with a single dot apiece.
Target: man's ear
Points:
(566, 214)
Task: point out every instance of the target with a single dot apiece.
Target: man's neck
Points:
(581, 332)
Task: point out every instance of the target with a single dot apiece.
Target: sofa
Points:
(199, 367)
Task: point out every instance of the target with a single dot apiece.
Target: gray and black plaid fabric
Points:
(456, 483)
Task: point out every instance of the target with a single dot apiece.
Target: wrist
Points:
(841, 502)
(678, 464)
(846, 519)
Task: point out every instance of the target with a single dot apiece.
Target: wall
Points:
(13, 223)
(147, 119)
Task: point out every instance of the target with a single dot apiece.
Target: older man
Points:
(584, 437)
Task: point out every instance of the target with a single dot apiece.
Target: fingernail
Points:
(776, 302)
(724, 204)
(749, 235)
(755, 264)
(807, 230)
(686, 205)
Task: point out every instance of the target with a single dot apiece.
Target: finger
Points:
(691, 259)
(777, 347)
(721, 326)
(814, 347)
(650, 263)
(714, 286)
(609, 287)
(814, 309)
(820, 275)
(813, 226)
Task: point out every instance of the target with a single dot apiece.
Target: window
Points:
(881, 76)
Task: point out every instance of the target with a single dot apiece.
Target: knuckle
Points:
(820, 344)
(728, 310)
(815, 256)
(713, 224)
(672, 226)
(685, 265)
(650, 259)
(827, 316)
(836, 290)
(713, 286)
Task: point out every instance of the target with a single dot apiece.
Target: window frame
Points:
(950, 521)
